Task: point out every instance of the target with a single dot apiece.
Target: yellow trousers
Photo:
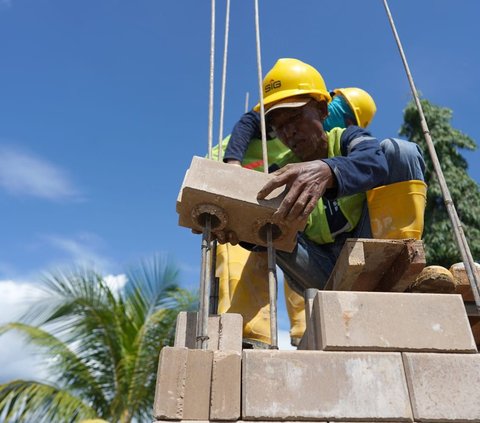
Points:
(243, 289)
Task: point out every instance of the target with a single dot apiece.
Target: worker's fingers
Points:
(297, 210)
(281, 178)
(309, 207)
(196, 232)
(286, 205)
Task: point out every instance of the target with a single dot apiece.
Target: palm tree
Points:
(101, 346)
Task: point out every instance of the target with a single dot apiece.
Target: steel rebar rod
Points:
(205, 278)
(272, 290)
(224, 81)
(212, 72)
(272, 275)
(206, 253)
(459, 234)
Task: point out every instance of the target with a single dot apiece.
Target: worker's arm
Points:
(362, 167)
(247, 128)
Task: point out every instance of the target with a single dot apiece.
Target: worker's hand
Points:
(234, 162)
(306, 183)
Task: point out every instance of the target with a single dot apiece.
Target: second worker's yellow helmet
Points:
(292, 77)
(361, 103)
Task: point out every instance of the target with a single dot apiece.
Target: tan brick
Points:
(378, 321)
(224, 331)
(226, 384)
(230, 194)
(462, 284)
(183, 384)
(230, 332)
(316, 385)
(444, 387)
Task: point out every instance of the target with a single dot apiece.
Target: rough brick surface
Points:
(226, 384)
(462, 284)
(230, 193)
(183, 384)
(444, 387)
(319, 385)
(230, 332)
(224, 331)
(371, 321)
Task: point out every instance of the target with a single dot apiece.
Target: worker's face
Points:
(301, 129)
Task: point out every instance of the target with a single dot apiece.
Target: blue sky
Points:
(103, 103)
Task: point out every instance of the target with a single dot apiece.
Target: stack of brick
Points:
(462, 287)
(371, 357)
(195, 384)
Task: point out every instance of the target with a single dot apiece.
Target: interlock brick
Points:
(229, 193)
(320, 385)
(462, 284)
(444, 387)
(224, 331)
(378, 321)
(183, 384)
(226, 386)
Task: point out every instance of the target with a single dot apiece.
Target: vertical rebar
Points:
(272, 290)
(205, 278)
(247, 94)
(224, 81)
(212, 68)
(452, 212)
(206, 253)
(272, 274)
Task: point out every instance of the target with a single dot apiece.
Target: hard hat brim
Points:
(284, 95)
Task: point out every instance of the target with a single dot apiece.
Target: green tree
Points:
(440, 245)
(101, 345)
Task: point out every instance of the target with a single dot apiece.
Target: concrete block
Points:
(462, 284)
(183, 384)
(377, 265)
(444, 387)
(229, 194)
(230, 332)
(226, 386)
(224, 331)
(379, 321)
(319, 385)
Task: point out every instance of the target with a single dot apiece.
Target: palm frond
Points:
(28, 401)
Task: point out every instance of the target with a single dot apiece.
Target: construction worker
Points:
(339, 169)
(241, 273)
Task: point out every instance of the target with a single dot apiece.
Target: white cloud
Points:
(81, 249)
(15, 298)
(115, 282)
(24, 174)
(16, 359)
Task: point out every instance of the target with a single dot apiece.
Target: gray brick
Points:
(377, 321)
(444, 387)
(226, 386)
(319, 385)
(183, 384)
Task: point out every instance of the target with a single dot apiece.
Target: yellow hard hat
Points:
(292, 77)
(361, 103)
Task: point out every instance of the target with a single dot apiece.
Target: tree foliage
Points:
(440, 244)
(101, 346)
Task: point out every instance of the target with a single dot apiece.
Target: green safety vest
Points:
(317, 228)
